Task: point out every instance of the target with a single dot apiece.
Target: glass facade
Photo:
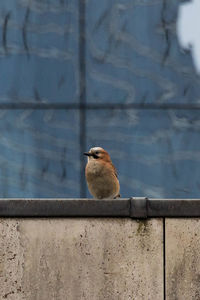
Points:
(78, 74)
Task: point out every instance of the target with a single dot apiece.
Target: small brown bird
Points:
(101, 174)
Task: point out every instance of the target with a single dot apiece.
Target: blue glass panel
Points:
(133, 54)
(39, 51)
(39, 153)
(156, 152)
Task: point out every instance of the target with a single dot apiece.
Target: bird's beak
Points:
(87, 153)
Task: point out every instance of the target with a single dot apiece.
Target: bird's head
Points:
(98, 153)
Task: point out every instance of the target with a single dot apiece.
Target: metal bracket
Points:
(138, 208)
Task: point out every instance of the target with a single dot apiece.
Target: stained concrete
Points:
(182, 259)
(101, 258)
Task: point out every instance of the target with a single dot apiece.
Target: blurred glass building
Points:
(77, 74)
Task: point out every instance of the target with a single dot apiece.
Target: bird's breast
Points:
(101, 179)
(94, 169)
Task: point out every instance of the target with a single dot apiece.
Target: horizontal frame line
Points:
(100, 106)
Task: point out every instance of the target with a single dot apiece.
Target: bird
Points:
(101, 174)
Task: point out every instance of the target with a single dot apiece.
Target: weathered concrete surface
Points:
(183, 259)
(76, 259)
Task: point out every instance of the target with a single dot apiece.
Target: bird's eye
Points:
(97, 152)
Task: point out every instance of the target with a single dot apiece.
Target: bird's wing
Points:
(115, 170)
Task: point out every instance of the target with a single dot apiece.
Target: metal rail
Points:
(132, 207)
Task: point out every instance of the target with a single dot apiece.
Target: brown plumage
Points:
(101, 174)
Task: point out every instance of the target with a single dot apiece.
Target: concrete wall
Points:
(99, 258)
(183, 258)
